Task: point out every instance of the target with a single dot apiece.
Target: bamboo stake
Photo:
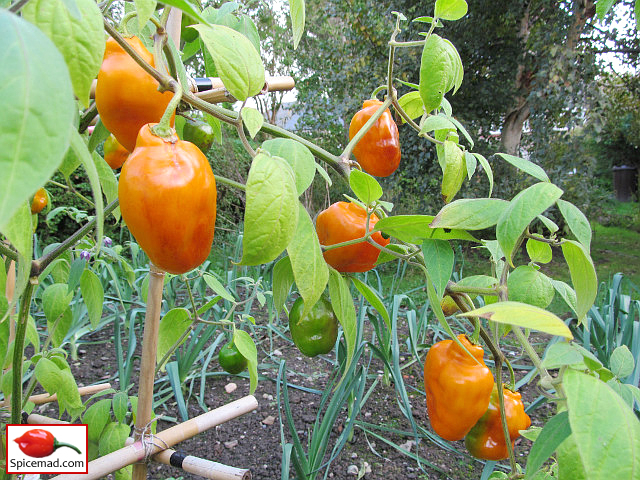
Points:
(148, 361)
(127, 455)
(212, 90)
(188, 463)
(88, 390)
(174, 25)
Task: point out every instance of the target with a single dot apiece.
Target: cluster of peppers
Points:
(463, 401)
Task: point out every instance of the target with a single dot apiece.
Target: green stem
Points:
(453, 288)
(79, 195)
(545, 378)
(16, 7)
(18, 351)
(125, 20)
(88, 115)
(243, 138)
(7, 252)
(416, 43)
(346, 153)
(232, 183)
(163, 128)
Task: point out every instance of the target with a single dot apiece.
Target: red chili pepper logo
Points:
(40, 443)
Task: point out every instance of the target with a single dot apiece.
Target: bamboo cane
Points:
(167, 438)
(188, 463)
(88, 390)
(148, 361)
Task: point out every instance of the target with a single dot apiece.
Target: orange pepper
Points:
(458, 387)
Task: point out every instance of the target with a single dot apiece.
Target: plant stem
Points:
(16, 7)
(18, 351)
(163, 128)
(454, 288)
(88, 115)
(243, 138)
(231, 183)
(7, 252)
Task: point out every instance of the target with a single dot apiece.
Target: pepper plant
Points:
(52, 52)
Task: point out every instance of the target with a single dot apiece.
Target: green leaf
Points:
(237, 62)
(19, 232)
(622, 362)
(217, 287)
(450, 9)
(120, 405)
(583, 276)
(93, 295)
(415, 228)
(99, 135)
(412, 104)
(470, 213)
(374, 300)
(307, 263)
(465, 134)
(48, 375)
(298, 156)
(555, 431)
(526, 166)
(603, 7)
(282, 282)
(577, 222)
(550, 224)
(435, 71)
(80, 40)
(457, 74)
(539, 252)
(55, 300)
(113, 437)
(523, 208)
(144, 8)
(188, 8)
(172, 326)
(606, 431)
(522, 315)
(345, 310)
(471, 162)
(366, 188)
(271, 213)
(487, 170)
(248, 349)
(437, 122)
(252, 119)
(454, 170)
(562, 354)
(34, 139)
(96, 417)
(296, 10)
(528, 285)
(438, 258)
(567, 293)
(80, 149)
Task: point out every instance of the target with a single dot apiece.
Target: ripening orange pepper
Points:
(167, 194)
(126, 96)
(342, 222)
(378, 152)
(458, 387)
(39, 201)
(486, 438)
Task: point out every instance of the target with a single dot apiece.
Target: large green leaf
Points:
(470, 213)
(297, 13)
(307, 263)
(93, 296)
(172, 327)
(450, 9)
(523, 208)
(415, 228)
(436, 69)
(454, 170)
(237, 62)
(577, 222)
(526, 166)
(555, 431)
(271, 213)
(583, 276)
(298, 156)
(35, 123)
(605, 429)
(80, 40)
(247, 347)
(522, 315)
(282, 282)
(345, 310)
(528, 285)
(366, 188)
(438, 258)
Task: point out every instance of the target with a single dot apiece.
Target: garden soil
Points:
(253, 441)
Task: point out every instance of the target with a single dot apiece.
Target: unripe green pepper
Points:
(316, 332)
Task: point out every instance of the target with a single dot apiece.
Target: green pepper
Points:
(231, 360)
(199, 133)
(316, 332)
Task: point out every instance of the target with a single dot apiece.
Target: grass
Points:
(613, 249)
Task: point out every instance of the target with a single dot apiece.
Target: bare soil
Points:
(249, 442)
